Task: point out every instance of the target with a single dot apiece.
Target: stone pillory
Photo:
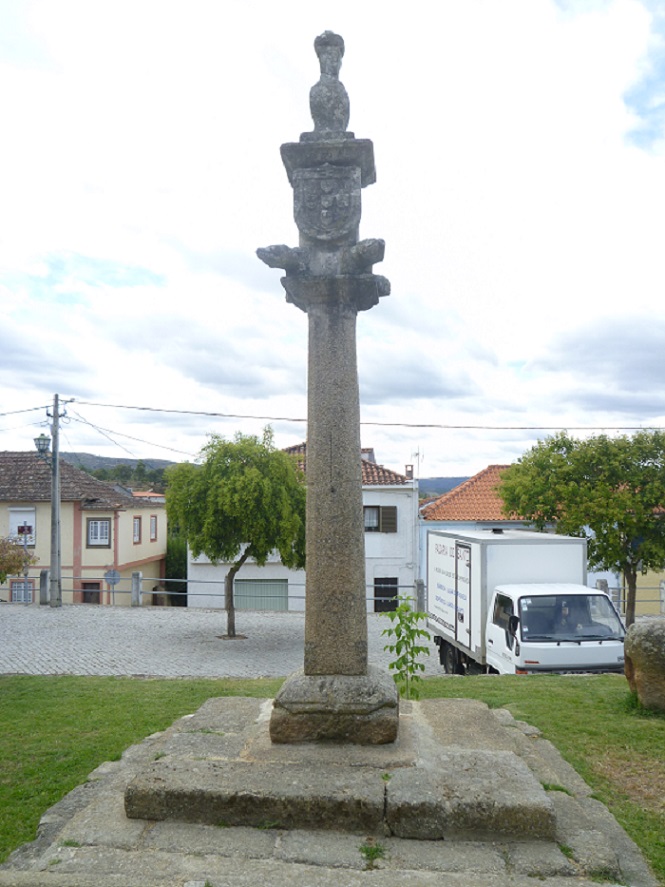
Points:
(329, 276)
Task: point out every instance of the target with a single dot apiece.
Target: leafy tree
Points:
(14, 559)
(609, 489)
(143, 478)
(155, 478)
(176, 567)
(245, 500)
(140, 473)
(140, 477)
(122, 473)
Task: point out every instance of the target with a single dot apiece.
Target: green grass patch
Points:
(553, 787)
(55, 730)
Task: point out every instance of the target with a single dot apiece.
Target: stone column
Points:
(335, 616)
(329, 275)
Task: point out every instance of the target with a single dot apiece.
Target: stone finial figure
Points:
(327, 169)
(328, 99)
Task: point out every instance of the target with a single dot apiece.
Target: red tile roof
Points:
(475, 499)
(373, 474)
(377, 475)
(26, 477)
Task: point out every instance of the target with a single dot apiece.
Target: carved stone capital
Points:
(359, 292)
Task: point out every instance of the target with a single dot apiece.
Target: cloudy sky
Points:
(520, 152)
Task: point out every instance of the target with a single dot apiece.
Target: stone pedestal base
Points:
(362, 709)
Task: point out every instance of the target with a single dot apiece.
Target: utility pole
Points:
(55, 597)
(26, 567)
(42, 443)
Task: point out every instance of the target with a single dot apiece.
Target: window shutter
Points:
(389, 519)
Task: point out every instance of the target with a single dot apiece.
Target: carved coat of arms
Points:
(327, 202)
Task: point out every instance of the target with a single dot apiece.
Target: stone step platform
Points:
(467, 868)
(220, 768)
(87, 840)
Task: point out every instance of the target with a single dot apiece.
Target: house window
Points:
(385, 594)
(136, 533)
(380, 518)
(153, 527)
(371, 514)
(21, 591)
(22, 525)
(99, 533)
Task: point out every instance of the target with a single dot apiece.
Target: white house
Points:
(390, 504)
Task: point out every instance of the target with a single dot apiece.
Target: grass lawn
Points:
(55, 730)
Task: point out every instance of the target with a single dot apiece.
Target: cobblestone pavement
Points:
(161, 642)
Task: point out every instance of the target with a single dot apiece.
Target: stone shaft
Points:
(335, 619)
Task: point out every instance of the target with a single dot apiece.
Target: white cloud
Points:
(140, 171)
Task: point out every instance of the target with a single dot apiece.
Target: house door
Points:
(385, 595)
(91, 592)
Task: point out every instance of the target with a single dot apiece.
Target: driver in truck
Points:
(570, 618)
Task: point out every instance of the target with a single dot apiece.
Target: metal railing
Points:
(140, 591)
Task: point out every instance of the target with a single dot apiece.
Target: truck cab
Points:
(537, 628)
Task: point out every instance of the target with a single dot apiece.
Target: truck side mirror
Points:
(513, 625)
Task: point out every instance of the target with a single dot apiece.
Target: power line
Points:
(106, 432)
(522, 427)
(103, 432)
(385, 424)
(28, 410)
(117, 406)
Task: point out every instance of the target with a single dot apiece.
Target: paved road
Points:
(161, 642)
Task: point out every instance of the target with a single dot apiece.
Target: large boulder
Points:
(645, 662)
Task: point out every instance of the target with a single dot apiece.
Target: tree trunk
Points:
(228, 595)
(630, 575)
(228, 602)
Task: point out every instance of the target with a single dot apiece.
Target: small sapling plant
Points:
(406, 634)
(371, 851)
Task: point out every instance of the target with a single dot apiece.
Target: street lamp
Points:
(43, 443)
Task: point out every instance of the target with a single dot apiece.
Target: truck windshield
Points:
(574, 618)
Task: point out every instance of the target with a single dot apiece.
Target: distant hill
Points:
(436, 486)
(91, 463)
(427, 486)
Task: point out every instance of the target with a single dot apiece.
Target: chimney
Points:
(409, 471)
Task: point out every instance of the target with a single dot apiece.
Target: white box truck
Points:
(516, 602)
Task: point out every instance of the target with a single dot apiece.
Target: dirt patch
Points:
(636, 777)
